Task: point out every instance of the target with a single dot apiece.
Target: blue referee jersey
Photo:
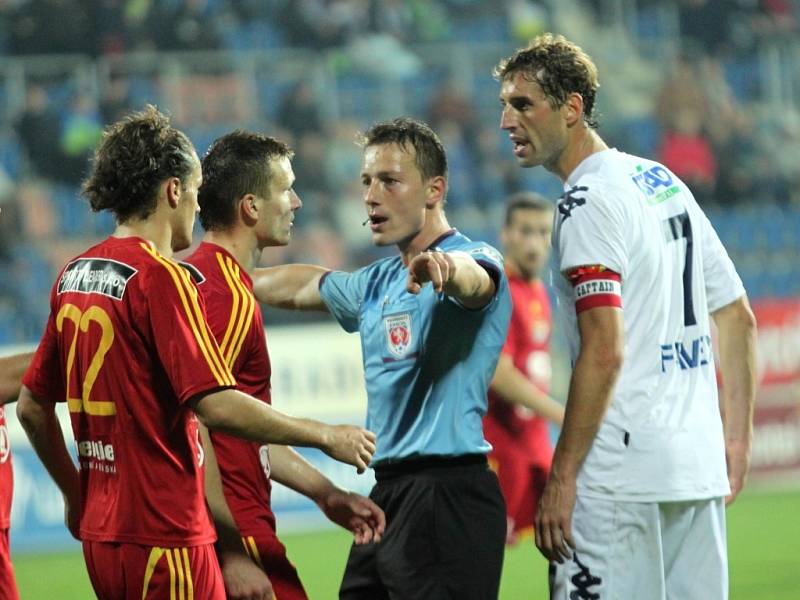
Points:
(428, 361)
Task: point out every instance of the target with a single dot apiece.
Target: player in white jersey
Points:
(634, 506)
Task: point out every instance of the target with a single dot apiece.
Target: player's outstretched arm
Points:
(244, 580)
(456, 274)
(514, 387)
(354, 512)
(38, 418)
(240, 415)
(289, 286)
(737, 362)
(597, 367)
(12, 368)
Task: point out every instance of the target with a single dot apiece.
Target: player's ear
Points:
(248, 208)
(172, 190)
(573, 109)
(435, 191)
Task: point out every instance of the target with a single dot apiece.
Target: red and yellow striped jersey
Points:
(236, 321)
(126, 346)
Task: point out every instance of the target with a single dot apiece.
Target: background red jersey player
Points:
(11, 370)
(519, 405)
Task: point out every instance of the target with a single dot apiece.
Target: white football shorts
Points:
(645, 551)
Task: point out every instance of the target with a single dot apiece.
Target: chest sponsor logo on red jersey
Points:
(398, 334)
(97, 455)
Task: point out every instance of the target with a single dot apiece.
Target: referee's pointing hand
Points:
(436, 267)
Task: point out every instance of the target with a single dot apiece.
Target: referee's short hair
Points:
(526, 201)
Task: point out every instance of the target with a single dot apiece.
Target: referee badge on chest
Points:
(398, 334)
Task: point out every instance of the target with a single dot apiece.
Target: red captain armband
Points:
(595, 285)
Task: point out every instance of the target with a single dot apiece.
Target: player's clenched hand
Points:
(350, 444)
(244, 580)
(436, 267)
(554, 520)
(356, 513)
(738, 458)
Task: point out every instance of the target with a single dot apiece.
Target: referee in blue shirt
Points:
(429, 354)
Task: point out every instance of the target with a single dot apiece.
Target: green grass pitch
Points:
(763, 541)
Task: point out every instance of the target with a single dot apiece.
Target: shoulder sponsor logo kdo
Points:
(656, 182)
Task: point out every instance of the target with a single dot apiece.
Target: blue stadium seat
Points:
(11, 156)
(71, 211)
(742, 74)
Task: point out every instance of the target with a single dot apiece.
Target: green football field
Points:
(763, 540)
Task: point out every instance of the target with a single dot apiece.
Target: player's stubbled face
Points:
(526, 240)
(278, 209)
(187, 210)
(394, 193)
(537, 132)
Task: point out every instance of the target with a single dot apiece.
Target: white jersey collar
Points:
(587, 165)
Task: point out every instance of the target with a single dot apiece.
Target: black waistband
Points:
(412, 466)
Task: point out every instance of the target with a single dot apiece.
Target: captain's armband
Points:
(595, 286)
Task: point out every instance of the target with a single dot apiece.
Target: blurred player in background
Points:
(127, 346)
(247, 202)
(635, 503)
(11, 371)
(519, 406)
(429, 352)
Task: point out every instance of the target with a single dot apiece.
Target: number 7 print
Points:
(678, 227)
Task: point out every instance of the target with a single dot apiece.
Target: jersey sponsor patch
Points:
(96, 276)
(595, 286)
(656, 183)
(570, 200)
(398, 334)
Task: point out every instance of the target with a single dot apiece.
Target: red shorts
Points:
(134, 572)
(270, 554)
(522, 484)
(8, 585)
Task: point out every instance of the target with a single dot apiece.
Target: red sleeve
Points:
(595, 286)
(45, 374)
(514, 327)
(183, 339)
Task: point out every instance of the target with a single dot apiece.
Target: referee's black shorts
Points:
(445, 533)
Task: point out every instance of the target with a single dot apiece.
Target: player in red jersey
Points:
(519, 405)
(128, 348)
(247, 203)
(11, 370)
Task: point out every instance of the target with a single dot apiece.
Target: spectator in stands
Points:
(81, 130)
(189, 25)
(299, 111)
(116, 101)
(36, 128)
(322, 23)
(688, 154)
(51, 27)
